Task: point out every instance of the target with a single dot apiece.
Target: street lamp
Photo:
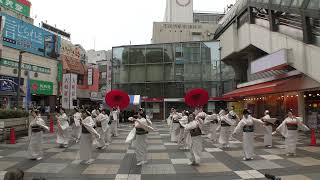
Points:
(19, 78)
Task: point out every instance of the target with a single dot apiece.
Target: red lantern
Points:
(196, 97)
(117, 98)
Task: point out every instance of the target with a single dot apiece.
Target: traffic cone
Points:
(313, 138)
(51, 125)
(12, 136)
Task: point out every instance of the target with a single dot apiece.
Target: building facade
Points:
(181, 24)
(164, 32)
(39, 50)
(163, 73)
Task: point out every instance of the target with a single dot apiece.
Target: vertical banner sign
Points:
(73, 89)
(90, 76)
(66, 91)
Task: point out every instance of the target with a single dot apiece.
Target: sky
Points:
(102, 24)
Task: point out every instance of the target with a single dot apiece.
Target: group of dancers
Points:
(97, 127)
(94, 128)
(187, 129)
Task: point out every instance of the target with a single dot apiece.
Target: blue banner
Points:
(23, 36)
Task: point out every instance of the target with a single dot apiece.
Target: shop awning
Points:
(297, 83)
(134, 99)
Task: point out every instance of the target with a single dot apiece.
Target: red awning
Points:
(296, 83)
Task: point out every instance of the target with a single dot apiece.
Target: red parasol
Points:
(117, 98)
(196, 97)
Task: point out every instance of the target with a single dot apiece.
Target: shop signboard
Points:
(69, 90)
(41, 87)
(273, 61)
(90, 76)
(8, 83)
(26, 37)
(16, 6)
(66, 91)
(28, 67)
(59, 78)
(73, 89)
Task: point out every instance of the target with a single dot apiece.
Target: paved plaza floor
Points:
(166, 161)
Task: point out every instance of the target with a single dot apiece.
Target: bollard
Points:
(12, 136)
(313, 141)
(51, 125)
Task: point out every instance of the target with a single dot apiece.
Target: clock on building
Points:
(183, 3)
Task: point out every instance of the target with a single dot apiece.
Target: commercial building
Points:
(163, 73)
(39, 53)
(273, 47)
(80, 81)
(181, 24)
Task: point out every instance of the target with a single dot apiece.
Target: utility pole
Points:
(19, 78)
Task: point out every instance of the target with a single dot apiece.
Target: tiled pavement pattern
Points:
(165, 160)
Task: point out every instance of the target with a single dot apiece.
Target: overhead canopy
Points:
(296, 83)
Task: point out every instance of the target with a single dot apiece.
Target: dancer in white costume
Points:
(36, 128)
(174, 124)
(289, 129)
(268, 123)
(212, 120)
(114, 118)
(194, 127)
(142, 127)
(102, 121)
(233, 115)
(88, 132)
(109, 130)
(62, 131)
(76, 127)
(224, 126)
(247, 126)
(182, 140)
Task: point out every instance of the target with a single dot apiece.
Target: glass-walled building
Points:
(165, 72)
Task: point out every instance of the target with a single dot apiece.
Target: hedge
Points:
(8, 114)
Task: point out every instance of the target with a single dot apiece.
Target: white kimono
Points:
(234, 115)
(196, 142)
(225, 131)
(182, 140)
(291, 136)
(268, 131)
(140, 141)
(103, 120)
(212, 120)
(35, 144)
(174, 126)
(115, 122)
(62, 131)
(87, 138)
(247, 125)
(76, 127)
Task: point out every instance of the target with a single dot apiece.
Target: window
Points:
(80, 79)
(103, 75)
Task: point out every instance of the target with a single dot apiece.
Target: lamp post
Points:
(19, 78)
